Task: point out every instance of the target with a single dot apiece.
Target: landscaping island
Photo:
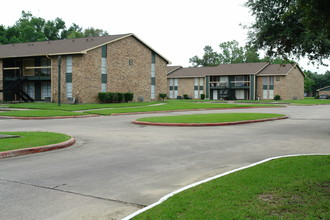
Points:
(215, 119)
(20, 143)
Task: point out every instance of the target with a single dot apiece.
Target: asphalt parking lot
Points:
(117, 167)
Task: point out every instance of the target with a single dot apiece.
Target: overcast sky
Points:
(177, 29)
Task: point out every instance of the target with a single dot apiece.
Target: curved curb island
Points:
(32, 150)
(208, 124)
(191, 110)
(51, 117)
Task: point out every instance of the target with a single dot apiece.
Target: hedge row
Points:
(115, 97)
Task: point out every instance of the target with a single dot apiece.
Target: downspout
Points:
(59, 62)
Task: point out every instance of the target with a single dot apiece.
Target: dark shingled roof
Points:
(61, 47)
(171, 69)
(223, 69)
(56, 47)
(277, 69)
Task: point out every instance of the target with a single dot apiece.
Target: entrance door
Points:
(239, 94)
(215, 94)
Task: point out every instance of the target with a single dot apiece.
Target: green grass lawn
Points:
(287, 188)
(40, 113)
(209, 118)
(174, 105)
(78, 107)
(30, 139)
(305, 101)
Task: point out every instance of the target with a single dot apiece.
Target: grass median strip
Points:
(305, 101)
(286, 188)
(78, 107)
(209, 118)
(173, 106)
(40, 113)
(30, 139)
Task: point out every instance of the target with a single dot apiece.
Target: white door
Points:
(215, 94)
(240, 94)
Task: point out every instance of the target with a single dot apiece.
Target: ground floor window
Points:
(45, 90)
(68, 89)
(268, 87)
(174, 83)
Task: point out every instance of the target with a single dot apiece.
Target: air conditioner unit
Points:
(71, 100)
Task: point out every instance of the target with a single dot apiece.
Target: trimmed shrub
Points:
(277, 97)
(111, 97)
(102, 96)
(185, 96)
(128, 97)
(202, 96)
(162, 96)
(120, 97)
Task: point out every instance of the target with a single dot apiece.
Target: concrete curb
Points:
(163, 199)
(33, 150)
(209, 124)
(54, 117)
(190, 110)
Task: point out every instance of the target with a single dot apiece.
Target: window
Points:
(268, 87)
(103, 87)
(153, 75)
(104, 68)
(45, 90)
(68, 70)
(239, 80)
(196, 88)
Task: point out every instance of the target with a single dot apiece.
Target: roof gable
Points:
(327, 88)
(223, 69)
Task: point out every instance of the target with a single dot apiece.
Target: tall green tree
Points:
(29, 28)
(291, 27)
(230, 52)
(210, 58)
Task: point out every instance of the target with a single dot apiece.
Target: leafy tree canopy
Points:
(230, 52)
(29, 28)
(291, 28)
(314, 81)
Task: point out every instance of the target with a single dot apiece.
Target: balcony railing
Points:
(34, 71)
(231, 84)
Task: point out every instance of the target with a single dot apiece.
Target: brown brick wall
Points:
(295, 84)
(161, 76)
(280, 86)
(288, 86)
(1, 81)
(259, 87)
(186, 86)
(121, 77)
(86, 76)
(136, 78)
(54, 79)
(324, 92)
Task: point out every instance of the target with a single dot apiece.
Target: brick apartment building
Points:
(116, 63)
(242, 81)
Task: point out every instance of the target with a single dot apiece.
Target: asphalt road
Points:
(117, 167)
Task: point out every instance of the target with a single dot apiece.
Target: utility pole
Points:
(59, 62)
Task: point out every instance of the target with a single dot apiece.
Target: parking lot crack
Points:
(76, 193)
